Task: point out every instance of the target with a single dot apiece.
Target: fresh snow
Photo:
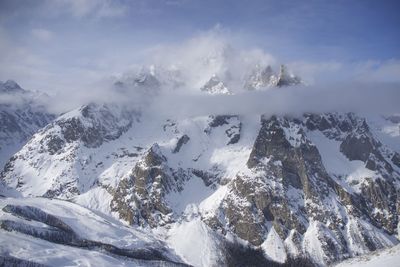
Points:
(273, 247)
(312, 245)
(388, 132)
(211, 204)
(97, 199)
(194, 192)
(353, 172)
(90, 225)
(97, 171)
(39, 251)
(195, 242)
(387, 257)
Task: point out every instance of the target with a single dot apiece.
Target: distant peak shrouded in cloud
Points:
(177, 80)
(218, 61)
(55, 45)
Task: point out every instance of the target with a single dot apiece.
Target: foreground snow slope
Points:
(56, 232)
(387, 257)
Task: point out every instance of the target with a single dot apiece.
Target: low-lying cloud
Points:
(382, 98)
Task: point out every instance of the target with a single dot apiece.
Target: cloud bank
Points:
(371, 86)
(372, 98)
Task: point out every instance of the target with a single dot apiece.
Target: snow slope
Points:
(387, 257)
(87, 224)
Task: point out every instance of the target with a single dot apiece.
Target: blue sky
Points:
(46, 44)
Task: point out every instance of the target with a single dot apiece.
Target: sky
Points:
(61, 45)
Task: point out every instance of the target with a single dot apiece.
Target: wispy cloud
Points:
(373, 98)
(42, 34)
(90, 8)
(215, 51)
(383, 71)
(211, 52)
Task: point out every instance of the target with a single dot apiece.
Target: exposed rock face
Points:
(10, 86)
(279, 167)
(260, 77)
(96, 125)
(233, 132)
(396, 159)
(289, 188)
(139, 199)
(263, 77)
(181, 141)
(287, 79)
(215, 86)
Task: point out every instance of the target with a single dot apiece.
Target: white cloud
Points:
(87, 8)
(42, 34)
(313, 72)
(336, 97)
(208, 53)
(382, 71)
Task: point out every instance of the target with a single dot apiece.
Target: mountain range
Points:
(109, 184)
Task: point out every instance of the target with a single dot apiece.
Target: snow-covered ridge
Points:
(61, 150)
(322, 186)
(54, 232)
(10, 87)
(22, 113)
(150, 80)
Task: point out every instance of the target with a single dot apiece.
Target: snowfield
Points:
(387, 257)
(88, 225)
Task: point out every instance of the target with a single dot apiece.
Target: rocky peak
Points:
(285, 78)
(215, 86)
(20, 118)
(147, 79)
(144, 82)
(10, 86)
(140, 198)
(154, 156)
(92, 124)
(260, 77)
(264, 76)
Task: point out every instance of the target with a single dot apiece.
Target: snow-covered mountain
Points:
(264, 77)
(21, 115)
(215, 86)
(43, 232)
(150, 79)
(244, 190)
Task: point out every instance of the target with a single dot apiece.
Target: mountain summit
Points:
(10, 86)
(154, 78)
(287, 79)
